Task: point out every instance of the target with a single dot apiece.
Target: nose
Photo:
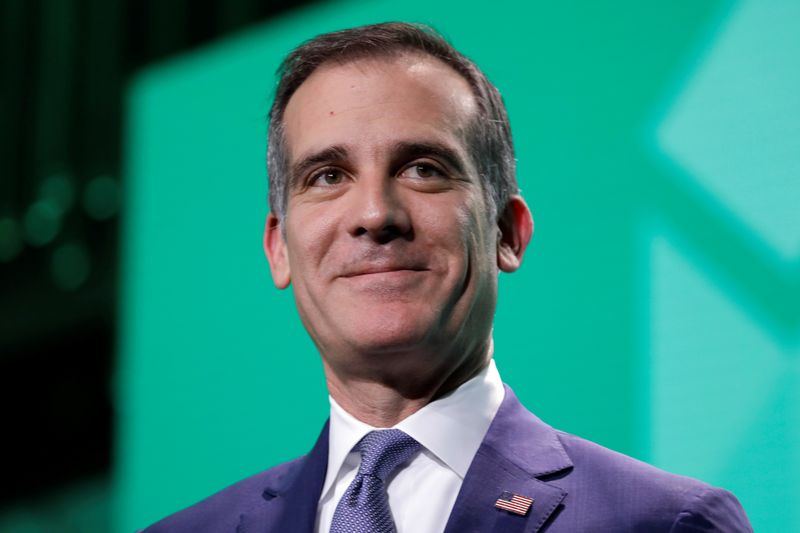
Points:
(378, 210)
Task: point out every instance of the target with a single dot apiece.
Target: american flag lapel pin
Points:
(514, 503)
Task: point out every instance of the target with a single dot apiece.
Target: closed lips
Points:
(381, 270)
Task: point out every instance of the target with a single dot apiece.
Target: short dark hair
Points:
(488, 137)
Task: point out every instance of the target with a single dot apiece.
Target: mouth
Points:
(395, 283)
(383, 271)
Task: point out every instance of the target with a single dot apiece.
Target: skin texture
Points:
(387, 239)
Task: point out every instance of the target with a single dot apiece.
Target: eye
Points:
(327, 177)
(422, 171)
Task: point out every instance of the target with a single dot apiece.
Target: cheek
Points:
(480, 239)
(462, 240)
(442, 229)
(309, 236)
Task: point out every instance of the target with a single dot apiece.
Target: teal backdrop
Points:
(657, 311)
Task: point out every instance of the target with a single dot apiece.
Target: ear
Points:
(515, 228)
(275, 249)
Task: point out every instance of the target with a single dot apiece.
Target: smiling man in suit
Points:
(394, 206)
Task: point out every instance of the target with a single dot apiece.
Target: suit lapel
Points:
(518, 450)
(290, 501)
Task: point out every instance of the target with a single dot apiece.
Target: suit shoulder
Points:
(593, 460)
(222, 510)
(653, 498)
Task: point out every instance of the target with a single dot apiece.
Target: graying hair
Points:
(488, 137)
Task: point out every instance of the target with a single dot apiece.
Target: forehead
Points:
(372, 102)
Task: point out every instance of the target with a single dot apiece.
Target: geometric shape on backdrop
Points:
(734, 127)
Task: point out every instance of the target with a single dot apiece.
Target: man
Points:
(394, 207)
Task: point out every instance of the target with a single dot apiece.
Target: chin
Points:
(389, 332)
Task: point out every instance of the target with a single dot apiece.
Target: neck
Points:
(384, 400)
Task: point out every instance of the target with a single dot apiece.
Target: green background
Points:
(656, 312)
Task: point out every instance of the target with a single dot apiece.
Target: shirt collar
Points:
(452, 427)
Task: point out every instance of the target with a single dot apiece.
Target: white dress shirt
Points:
(422, 493)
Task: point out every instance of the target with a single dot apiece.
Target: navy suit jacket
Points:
(576, 485)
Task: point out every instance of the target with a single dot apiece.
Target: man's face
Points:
(388, 239)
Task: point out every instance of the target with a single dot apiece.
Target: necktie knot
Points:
(383, 451)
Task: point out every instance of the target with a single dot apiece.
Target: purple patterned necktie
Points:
(364, 507)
